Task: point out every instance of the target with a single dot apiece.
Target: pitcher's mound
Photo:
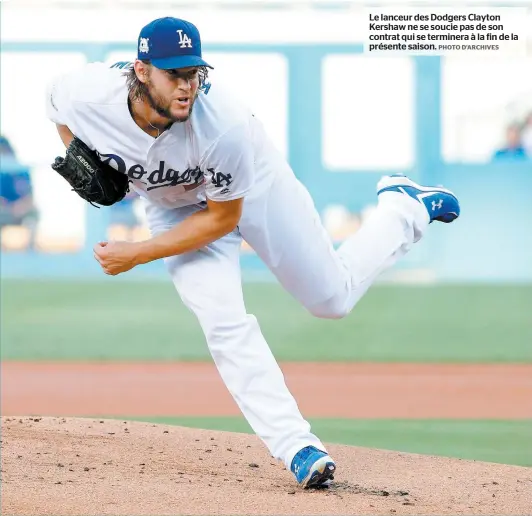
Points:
(93, 467)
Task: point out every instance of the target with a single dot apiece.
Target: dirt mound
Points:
(90, 466)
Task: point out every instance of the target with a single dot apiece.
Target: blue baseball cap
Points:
(170, 43)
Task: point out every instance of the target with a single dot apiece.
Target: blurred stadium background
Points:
(342, 119)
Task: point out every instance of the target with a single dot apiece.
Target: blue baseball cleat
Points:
(312, 467)
(441, 204)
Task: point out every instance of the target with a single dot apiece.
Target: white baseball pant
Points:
(284, 228)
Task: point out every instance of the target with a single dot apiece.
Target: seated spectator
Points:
(526, 134)
(17, 207)
(5, 148)
(513, 148)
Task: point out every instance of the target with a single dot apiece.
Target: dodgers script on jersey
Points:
(221, 152)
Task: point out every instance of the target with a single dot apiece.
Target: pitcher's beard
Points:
(155, 102)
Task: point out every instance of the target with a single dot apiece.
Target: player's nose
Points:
(183, 84)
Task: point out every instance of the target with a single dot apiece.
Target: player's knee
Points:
(329, 310)
(225, 331)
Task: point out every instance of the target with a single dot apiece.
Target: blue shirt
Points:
(511, 153)
(15, 181)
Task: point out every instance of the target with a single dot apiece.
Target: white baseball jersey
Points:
(221, 152)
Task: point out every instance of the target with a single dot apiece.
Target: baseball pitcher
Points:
(209, 177)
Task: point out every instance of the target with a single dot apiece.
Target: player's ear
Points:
(142, 70)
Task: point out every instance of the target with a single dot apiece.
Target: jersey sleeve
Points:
(229, 165)
(68, 92)
(59, 103)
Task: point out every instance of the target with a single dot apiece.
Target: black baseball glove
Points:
(93, 180)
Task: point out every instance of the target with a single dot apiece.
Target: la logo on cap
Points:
(184, 40)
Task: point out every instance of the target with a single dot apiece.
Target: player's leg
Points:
(285, 230)
(209, 283)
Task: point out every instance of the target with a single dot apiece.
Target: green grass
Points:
(144, 321)
(506, 442)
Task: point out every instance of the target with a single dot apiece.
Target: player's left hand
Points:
(116, 257)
